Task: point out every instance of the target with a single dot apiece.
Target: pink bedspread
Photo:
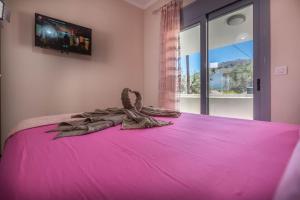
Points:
(198, 158)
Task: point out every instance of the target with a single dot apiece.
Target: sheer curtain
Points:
(170, 70)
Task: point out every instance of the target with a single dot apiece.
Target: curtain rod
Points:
(154, 12)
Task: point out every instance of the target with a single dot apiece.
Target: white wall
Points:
(285, 50)
(39, 82)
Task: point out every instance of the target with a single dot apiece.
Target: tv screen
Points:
(1, 10)
(63, 36)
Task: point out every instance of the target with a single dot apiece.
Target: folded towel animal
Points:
(130, 116)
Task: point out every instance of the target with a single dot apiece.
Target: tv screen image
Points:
(1, 10)
(60, 35)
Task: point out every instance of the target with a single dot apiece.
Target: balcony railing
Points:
(235, 106)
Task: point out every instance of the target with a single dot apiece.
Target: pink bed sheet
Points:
(197, 158)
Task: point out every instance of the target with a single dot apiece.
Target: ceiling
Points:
(143, 4)
(220, 34)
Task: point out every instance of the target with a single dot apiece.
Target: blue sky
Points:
(243, 50)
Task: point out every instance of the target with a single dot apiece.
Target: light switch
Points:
(281, 70)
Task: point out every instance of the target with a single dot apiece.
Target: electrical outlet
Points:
(281, 70)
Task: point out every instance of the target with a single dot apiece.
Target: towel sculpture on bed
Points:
(131, 117)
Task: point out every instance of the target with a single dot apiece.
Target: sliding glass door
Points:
(230, 64)
(224, 60)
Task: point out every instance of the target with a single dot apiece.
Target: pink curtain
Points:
(169, 66)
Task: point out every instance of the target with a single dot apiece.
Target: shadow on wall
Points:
(101, 42)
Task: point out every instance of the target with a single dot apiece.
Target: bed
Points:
(197, 158)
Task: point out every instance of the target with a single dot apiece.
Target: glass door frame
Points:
(192, 14)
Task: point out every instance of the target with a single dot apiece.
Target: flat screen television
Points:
(66, 37)
(1, 10)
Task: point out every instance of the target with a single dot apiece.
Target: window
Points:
(190, 70)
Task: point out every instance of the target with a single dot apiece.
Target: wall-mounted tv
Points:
(63, 36)
(1, 10)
